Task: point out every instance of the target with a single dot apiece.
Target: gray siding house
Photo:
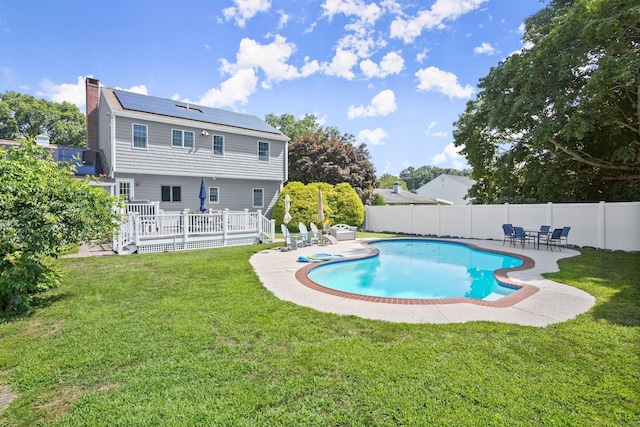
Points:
(160, 150)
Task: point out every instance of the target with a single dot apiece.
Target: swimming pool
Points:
(420, 269)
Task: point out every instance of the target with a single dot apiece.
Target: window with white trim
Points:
(182, 138)
(258, 197)
(214, 193)
(171, 194)
(218, 145)
(263, 151)
(140, 136)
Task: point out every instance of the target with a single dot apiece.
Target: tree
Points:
(341, 204)
(388, 181)
(560, 121)
(23, 117)
(318, 154)
(416, 178)
(43, 208)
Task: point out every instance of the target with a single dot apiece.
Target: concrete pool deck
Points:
(553, 303)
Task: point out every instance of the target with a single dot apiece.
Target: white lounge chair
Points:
(314, 234)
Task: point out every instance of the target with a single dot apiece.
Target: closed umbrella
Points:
(287, 207)
(203, 196)
(320, 208)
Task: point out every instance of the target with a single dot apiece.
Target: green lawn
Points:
(193, 338)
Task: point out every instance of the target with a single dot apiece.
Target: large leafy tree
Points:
(23, 116)
(43, 209)
(560, 120)
(416, 178)
(322, 154)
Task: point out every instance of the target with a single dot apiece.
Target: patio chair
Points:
(508, 233)
(519, 235)
(554, 239)
(314, 234)
(565, 236)
(304, 234)
(543, 234)
(290, 242)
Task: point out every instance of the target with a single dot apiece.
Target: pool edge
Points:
(521, 294)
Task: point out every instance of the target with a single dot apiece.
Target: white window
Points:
(263, 151)
(218, 145)
(258, 197)
(125, 188)
(214, 194)
(140, 137)
(182, 138)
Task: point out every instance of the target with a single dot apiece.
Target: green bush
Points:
(43, 209)
(341, 204)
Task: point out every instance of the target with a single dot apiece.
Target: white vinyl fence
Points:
(613, 226)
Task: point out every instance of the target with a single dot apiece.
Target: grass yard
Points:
(193, 338)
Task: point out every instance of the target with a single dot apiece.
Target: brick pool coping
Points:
(524, 290)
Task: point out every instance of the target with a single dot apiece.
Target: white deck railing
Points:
(223, 227)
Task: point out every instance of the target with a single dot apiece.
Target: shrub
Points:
(340, 202)
(43, 209)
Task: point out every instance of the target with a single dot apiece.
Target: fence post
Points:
(272, 232)
(506, 213)
(135, 222)
(259, 223)
(185, 226)
(225, 215)
(602, 211)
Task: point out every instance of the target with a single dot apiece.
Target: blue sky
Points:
(395, 74)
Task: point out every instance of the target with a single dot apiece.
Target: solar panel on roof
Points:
(167, 107)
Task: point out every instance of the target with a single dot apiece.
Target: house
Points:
(397, 196)
(160, 150)
(447, 189)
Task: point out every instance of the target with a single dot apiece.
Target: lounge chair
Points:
(290, 241)
(554, 239)
(508, 233)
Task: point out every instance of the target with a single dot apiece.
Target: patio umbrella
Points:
(203, 196)
(320, 208)
(287, 207)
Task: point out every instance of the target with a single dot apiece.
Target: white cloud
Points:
(421, 56)
(237, 88)
(436, 80)
(450, 152)
(373, 136)
(485, 48)
(284, 18)
(436, 134)
(382, 104)
(341, 64)
(367, 14)
(141, 89)
(441, 11)
(271, 58)
(74, 93)
(392, 63)
(245, 9)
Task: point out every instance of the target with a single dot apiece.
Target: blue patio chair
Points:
(554, 239)
(565, 236)
(508, 233)
(519, 235)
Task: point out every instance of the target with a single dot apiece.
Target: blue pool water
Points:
(419, 269)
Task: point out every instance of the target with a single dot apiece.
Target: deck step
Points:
(128, 249)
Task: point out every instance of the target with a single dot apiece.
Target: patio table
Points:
(536, 234)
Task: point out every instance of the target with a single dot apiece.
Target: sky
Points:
(395, 74)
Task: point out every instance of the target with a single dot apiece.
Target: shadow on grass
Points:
(612, 277)
(38, 303)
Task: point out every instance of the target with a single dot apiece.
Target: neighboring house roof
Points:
(402, 198)
(461, 179)
(169, 108)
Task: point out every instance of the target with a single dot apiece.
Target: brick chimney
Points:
(92, 87)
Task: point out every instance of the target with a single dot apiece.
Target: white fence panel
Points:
(614, 226)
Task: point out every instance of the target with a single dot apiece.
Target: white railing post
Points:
(246, 219)
(135, 228)
(259, 224)
(272, 232)
(225, 228)
(185, 226)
